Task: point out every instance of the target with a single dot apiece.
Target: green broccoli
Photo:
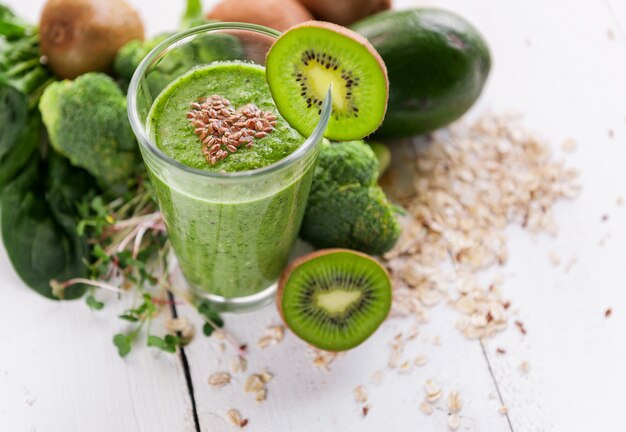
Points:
(346, 207)
(203, 49)
(87, 123)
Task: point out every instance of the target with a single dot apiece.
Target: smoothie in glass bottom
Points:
(230, 244)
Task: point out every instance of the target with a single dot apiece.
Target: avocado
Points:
(437, 64)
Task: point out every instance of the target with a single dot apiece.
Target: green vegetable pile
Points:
(78, 214)
(78, 211)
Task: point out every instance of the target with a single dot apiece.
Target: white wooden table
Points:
(562, 64)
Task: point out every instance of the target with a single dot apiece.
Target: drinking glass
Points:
(231, 232)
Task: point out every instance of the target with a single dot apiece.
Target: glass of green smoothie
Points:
(230, 174)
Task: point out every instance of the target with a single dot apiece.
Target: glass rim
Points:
(144, 140)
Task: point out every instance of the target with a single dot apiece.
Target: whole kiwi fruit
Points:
(80, 36)
(276, 14)
(345, 12)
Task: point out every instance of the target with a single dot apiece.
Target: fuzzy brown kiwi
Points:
(334, 299)
(80, 36)
(276, 14)
(345, 12)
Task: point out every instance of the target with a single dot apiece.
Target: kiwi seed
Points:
(334, 299)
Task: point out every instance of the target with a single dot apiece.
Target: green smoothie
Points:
(229, 242)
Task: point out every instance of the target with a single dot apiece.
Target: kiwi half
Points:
(311, 57)
(334, 299)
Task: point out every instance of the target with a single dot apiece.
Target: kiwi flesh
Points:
(307, 60)
(334, 299)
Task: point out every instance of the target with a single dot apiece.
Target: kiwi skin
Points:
(80, 36)
(276, 14)
(345, 12)
(298, 261)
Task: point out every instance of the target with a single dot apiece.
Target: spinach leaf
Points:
(39, 222)
(13, 115)
(10, 25)
(24, 148)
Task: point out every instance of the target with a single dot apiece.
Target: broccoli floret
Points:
(346, 207)
(131, 54)
(203, 49)
(87, 123)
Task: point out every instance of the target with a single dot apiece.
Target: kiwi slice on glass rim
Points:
(334, 299)
(308, 59)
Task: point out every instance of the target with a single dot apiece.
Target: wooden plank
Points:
(565, 74)
(566, 77)
(59, 370)
(305, 398)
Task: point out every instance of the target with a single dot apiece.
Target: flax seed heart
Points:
(222, 129)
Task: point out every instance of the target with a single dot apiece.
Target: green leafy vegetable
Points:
(39, 234)
(123, 343)
(93, 303)
(212, 318)
(167, 344)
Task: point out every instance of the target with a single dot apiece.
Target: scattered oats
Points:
(405, 368)
(238, 364)
(491, 395)
(222, 347)
(265, 376)
(254, 383)
(463, 190)
(437, 340)
(433, 391)
(619, 201)
(360, 394)
(454, 402)
(524, 367)
(420, 360)
(397, 350)
(235, 418)
(503, 409)
(454, 421)
(377, 377)
(555, 258)
(273, 335)
(521, 327)
(412, 334)
(324, 359)
(610, 34)
(569, 146)
(500, 350)
(608, 312)
(264, 342)
(219, 379)
(219, 334)
(426, 408)
(181, 325)
(260, 395)
(277, 332)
